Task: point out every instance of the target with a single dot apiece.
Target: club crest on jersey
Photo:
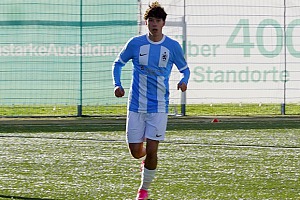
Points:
(164, 57)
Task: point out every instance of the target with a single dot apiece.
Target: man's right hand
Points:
(119, 91)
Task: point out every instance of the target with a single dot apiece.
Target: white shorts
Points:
(140, 126)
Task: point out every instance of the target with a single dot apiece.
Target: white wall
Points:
(236, 49)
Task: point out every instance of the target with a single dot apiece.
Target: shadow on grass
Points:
(174, 123)
(18, 197)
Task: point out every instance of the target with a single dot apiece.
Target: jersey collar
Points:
(159, 42)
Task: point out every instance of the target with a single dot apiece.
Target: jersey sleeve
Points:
(124, 56)
(181, 63)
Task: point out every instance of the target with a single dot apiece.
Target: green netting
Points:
(40, 44)
(236, 51)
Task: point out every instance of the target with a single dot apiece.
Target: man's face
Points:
(155, 25)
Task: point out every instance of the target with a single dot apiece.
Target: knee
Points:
(151, 154)
(151, 150)
(135, 154)
(137, 151)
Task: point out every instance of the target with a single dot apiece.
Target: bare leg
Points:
(151, 154)
(150, 165)
(137, 150)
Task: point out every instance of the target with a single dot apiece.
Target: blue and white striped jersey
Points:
(152, 65)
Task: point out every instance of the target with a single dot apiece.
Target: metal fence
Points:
(56, 56)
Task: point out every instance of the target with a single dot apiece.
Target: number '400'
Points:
(280, 38)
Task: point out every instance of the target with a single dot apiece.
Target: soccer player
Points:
(152, 55)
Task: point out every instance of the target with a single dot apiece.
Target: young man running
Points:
(153, 56)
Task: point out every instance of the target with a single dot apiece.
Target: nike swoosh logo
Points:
(158, 135)
(143, 54)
